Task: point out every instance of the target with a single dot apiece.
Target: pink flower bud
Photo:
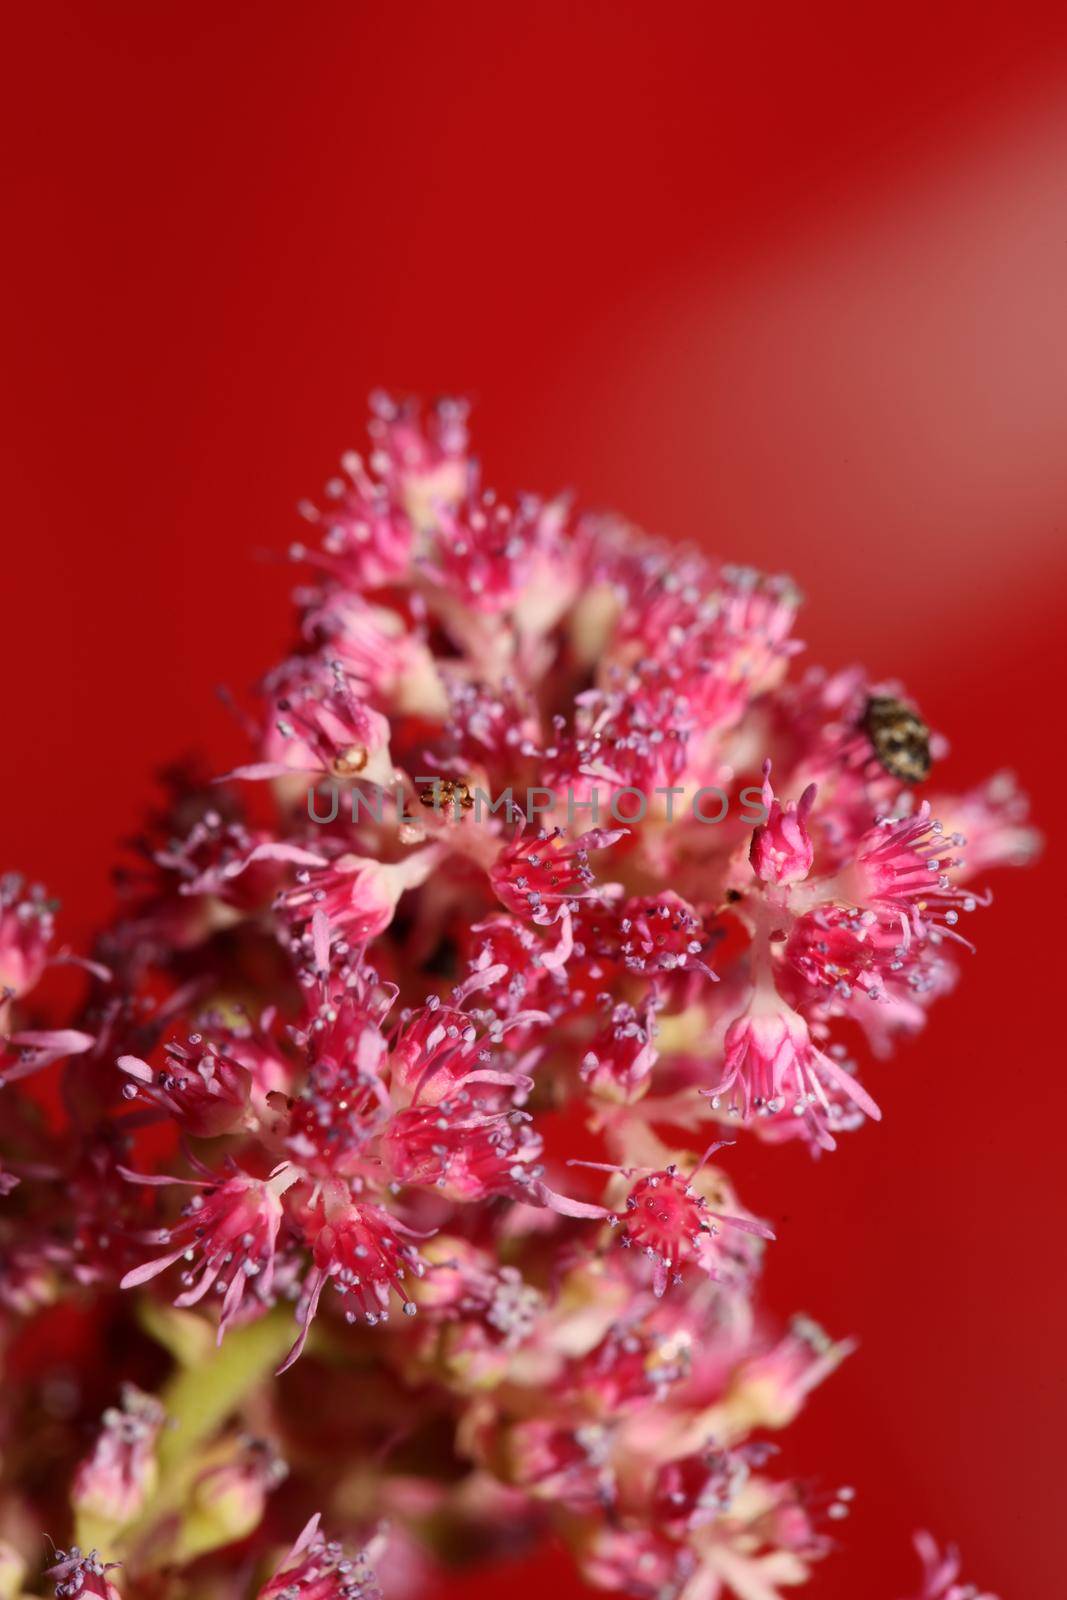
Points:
(114, 1481)
(782, 851)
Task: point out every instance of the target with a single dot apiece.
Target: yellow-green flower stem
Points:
(208, 1385)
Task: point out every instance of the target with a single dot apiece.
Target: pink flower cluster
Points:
(472, 1070)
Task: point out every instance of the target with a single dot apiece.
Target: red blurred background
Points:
(781, 281)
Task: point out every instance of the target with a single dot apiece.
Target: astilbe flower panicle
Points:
(116, 1478)
(229, 1229)
(27, 925)
(75, 1574)
(319, 1569)
(941, 1572)
(542, 858)
(27, 928)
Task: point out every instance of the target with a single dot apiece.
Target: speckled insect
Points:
(900, 738)
(444, 792)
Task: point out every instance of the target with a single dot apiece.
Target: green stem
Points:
(198, 1399)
